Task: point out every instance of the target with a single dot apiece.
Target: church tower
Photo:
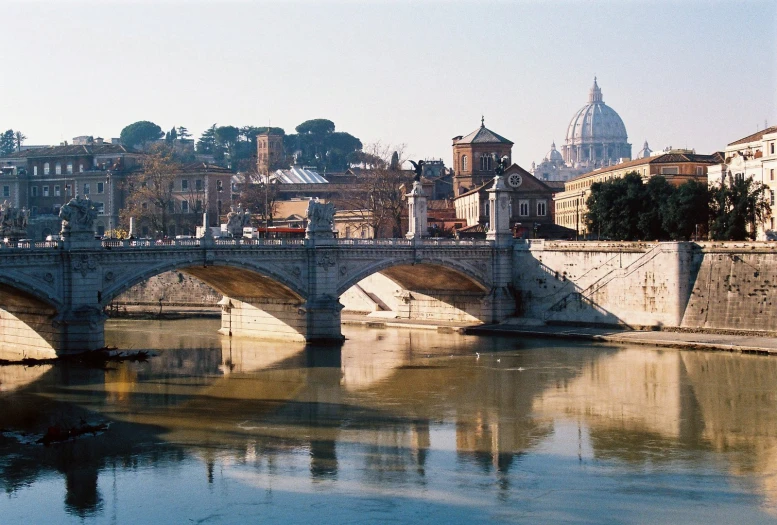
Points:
(475, 156)
(269, 152)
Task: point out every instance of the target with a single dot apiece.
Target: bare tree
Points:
(378, 197)
(19, 137)
(150, 193)
(259, 196)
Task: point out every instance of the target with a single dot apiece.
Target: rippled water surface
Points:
(398, 425)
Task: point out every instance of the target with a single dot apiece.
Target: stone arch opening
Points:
(428, 290)
(256, 302)
(27, 323)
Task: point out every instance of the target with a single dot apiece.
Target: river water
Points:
(397, 426)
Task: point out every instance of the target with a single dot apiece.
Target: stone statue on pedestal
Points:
(78, 215)
(13, 222)
(320, 216)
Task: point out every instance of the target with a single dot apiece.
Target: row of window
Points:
(57, 191)
(486, 162)
(524, 207)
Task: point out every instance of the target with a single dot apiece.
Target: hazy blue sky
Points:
(700, 74)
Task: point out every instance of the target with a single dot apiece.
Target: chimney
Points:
(98, 140)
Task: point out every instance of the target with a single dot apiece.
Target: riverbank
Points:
(747, 344)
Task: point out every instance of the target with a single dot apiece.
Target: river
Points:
(396, 426)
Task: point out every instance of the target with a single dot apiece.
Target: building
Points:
(475, 157)
(595, 137)
(269, 151)
(754, 157)
(530, 204)
(43, 179)
(677, 166)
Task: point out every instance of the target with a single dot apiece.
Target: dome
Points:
(596, 122)
(645, 152)
(554, 155)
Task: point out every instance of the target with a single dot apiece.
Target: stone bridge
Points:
(53, 295)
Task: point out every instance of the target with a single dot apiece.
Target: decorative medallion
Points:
(326, 261)
(109, 276)
(514, 180)
(84, 264)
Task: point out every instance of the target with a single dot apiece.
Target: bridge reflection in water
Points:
(402, 416)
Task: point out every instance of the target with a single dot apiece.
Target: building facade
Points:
(753, 157)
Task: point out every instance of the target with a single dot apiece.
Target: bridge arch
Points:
(420, 277)
(429, 289)
(27, 315)
(231, 278)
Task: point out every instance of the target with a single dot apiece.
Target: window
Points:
(771, 175)
(46, 168)
(523, 208)
(198, 204)
(86, 188)
(56, 191)
(771, 198)
(100, 187)
(771, 148)
(670, 170)
(485, 162)
(699, 171)
(45, 191)
(198, 184)
(739, 177)
(542, 208)
(35, 170)
(184, 206)
(100, 207)
(219, 185)
(68, 191)
(34, 191)
(6, 191)
(184, 184)
(80, 168)
(171, 206)
(463, 163)
(58, 168)
(70, 168)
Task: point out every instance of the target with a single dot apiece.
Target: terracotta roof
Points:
(755, 136)
(666, 158)
(475, 228)
(483, 135)
(71, 150)
(202, 166)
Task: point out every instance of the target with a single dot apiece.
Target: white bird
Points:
(478, 355)
(521, 369)
(498, 360)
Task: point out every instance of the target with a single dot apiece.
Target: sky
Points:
(405, 74)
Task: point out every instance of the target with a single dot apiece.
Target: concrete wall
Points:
(735, 287)
(728, 286)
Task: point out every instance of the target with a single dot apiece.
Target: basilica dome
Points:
(596, 135)
(554, 155)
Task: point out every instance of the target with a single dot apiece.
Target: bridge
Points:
(53, 294)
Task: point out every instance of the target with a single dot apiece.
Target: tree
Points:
(614, 208)
(378, 197)
(150, 197)
(656, 194)
(140, 134)
(20, 137)
(207, 142)
(316, 143)
(7, 142)
(739, 206)
(687, 212)
(259, 197)
(183, 133)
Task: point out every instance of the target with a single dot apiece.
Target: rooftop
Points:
(758, 135)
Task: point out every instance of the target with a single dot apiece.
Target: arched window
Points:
(485, 162)
(463, 163)
(58, 168)
(46, 168)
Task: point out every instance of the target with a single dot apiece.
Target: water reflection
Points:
(394, 415)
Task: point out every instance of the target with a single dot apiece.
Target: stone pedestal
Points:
(499, 213)
(416, 209)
